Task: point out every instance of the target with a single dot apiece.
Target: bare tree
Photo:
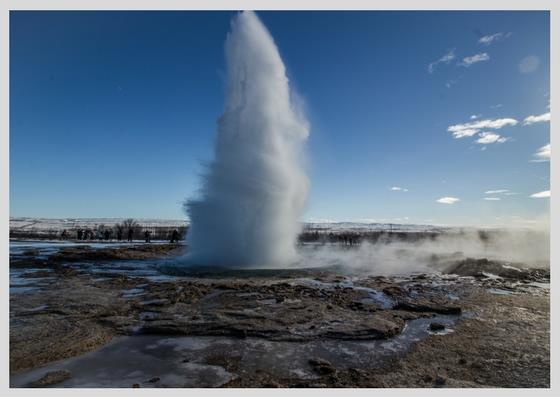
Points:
(128, 224)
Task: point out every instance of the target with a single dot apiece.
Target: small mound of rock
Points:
(322, 367)
(51, 378)
(437, 327)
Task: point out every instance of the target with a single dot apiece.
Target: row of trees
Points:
(118, 231)
(346, 237)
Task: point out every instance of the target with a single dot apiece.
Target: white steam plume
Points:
(254, 190)
(391, 256)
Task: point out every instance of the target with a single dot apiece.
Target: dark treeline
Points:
(130, 230)
(137, 232)
(357, 237)
(347, 237)
(127, 230)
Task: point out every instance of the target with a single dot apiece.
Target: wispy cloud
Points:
(449, 83)
(444, 59)
(474, 127)
(462, 133)
(529, 64)
(491, 198)
(542, 155)
(474, 116)
(489, 39)
(497, 191)
(447, 200)
(537, 119)
(399, 189)
(468, 61)
(544, 194)
(490, 137)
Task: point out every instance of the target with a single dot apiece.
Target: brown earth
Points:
(499, 341)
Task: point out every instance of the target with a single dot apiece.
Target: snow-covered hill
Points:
(43, 224)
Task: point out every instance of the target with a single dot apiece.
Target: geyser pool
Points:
(253, 191)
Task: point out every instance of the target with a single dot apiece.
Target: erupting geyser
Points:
(254, 190)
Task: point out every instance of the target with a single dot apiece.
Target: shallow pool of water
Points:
(212, 361)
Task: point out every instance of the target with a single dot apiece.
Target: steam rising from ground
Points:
(254, 190)
(390, 256)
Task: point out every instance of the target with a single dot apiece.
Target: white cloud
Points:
(537, 119)
(474, 127)
(491, 198)
(399, 189)
(494, 124)
(447, 200)
(451, 82)
(444, 59)
(542, 155)
(464, 133)
(474, 116)
(490, 137)
(544, 194)
(529, 64)
(489, 39)
(497, 191)
(468, 61)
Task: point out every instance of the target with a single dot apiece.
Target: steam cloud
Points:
(389, 256)
(254, 190)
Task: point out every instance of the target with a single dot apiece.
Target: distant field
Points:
(72, 223)
(42, 224)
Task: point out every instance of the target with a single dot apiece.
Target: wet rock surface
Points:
(437, 327)
(81, 306)
(51, 378)
(322, 367)
(484, 268)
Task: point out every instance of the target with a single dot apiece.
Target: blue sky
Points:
(113, 113)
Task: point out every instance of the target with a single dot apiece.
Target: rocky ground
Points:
(474, 323)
